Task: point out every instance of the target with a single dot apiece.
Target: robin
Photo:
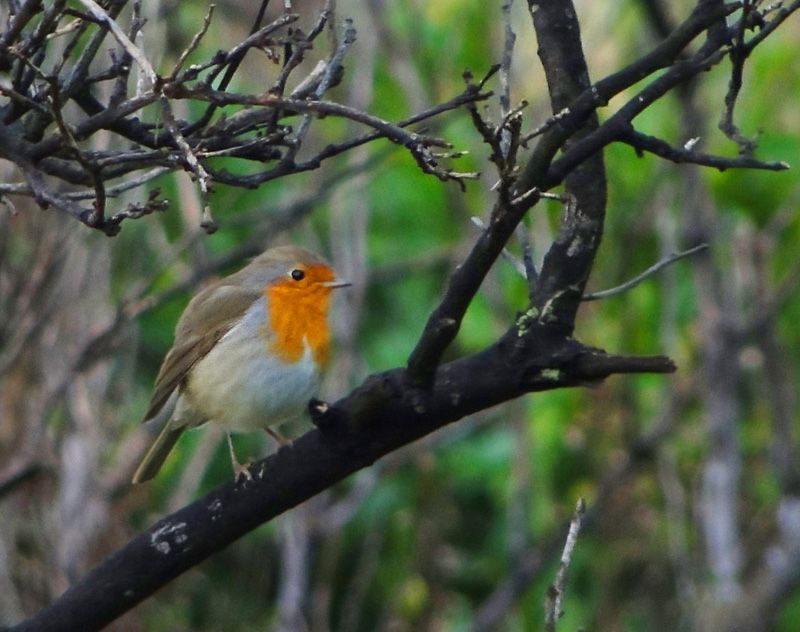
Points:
(248, 352)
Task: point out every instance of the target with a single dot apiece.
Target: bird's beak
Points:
(336, 283)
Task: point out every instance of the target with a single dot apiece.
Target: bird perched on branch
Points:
(248, 352)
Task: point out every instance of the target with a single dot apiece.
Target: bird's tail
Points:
(155, 456)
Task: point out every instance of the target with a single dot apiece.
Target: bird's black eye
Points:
(298, 275)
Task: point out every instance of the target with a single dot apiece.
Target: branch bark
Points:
(377, 418)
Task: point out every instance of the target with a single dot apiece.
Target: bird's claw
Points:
(242, 470)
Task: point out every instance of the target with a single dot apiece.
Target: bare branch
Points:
(509, 39)
(255, 133)
(738, 57)
(686, 154)
(651, 271)
(419, 145)
(444, 322)
(18, 473)
(556, 591)
(200, 173)
(21, 188)
(194, 43)
(332, 70)
(103, 18)
(515, 261)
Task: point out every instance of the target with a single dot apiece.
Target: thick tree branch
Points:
(380, 416)
(566, 266)
(443, 324)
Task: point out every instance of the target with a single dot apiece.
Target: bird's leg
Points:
(239, 469)
(282, 441)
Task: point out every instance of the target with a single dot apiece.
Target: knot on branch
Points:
(325, 417)
(347, 417)
(438, 334)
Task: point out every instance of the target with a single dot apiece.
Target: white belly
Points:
(243, 387)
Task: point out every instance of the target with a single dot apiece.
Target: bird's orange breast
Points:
(298, 315)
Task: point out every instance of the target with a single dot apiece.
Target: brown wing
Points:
(207, 317)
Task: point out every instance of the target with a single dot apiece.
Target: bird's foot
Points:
(282, 441)
(242, 471)
(239, 470)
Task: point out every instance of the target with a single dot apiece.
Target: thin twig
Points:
(418, 144)
(653, 269)
(505, 74)
(92, 169)
(226, 79)
(555, 593)
(515, 261)
(739, 54)
(297, 55)
(121, 62)
(194, 43)
(203, 178)
(80, 69)
(686, 154)
(19, 473)
(21, 188)
(541, 129)
(23, 100)
(134, 51)
(332, 70)
(257, 39)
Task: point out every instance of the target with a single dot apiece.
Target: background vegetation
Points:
(691, 480)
